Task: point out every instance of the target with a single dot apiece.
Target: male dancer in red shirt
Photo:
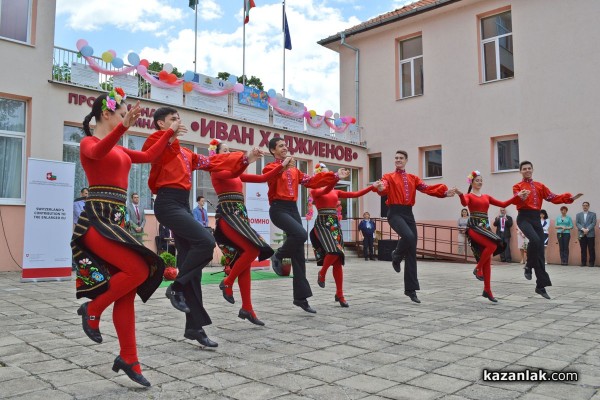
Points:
(283, 194)
(528, 221)
(171, 179)
(401, 189)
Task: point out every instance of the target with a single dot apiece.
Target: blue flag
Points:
(286, 33)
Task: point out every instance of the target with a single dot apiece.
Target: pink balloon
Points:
(114, 53)
(141, 69)
(328, 114)
(81, 43)
(273, 102)
(238, 88)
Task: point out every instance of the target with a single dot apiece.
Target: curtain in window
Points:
(14, 15)
(11, 161)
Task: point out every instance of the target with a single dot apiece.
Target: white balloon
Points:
(168, 67)
(336, 116)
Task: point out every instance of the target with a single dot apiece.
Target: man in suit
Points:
(586, 223)
(367, 227)
(137, 219)
(200, 213)
(503, 224)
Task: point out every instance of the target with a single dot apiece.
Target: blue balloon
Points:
(118, 62)
(188, 76)
(272, 93)
(86, 51)
(133, 59)
(232, 79)
(337, 122)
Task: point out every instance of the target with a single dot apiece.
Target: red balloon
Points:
(145, 63)
(172, 78)
(163, 75)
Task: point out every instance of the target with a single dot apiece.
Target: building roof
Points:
(410, 10)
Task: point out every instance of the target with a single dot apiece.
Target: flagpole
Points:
(283, 30)
(244, 46)
(196, 38)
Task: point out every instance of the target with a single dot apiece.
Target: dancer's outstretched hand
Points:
(457, 191)
(343, 173)
(379, 185)
(578, 195)
(523, 194)
(451, 192)
(254, 154)
(132, 115)
(286, 161)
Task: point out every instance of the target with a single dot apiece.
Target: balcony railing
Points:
(64, 59)
(435, 241)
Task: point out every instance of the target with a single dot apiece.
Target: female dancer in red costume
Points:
(234, 230)
(326, 236)
(112, 264)
(483, 241)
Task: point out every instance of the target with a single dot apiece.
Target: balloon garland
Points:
(166, 79)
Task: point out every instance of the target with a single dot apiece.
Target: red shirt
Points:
(401, 188)
(227, 181)
(482, 203)
(105, 163)
(174, 167)
(328, 198)
(539, 193)
(284, 186)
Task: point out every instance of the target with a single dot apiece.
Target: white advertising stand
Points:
(48, 221)
(257, 204)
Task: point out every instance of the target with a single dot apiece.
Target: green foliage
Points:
(168, 258)
(281, 237)
(254, 81)
(61, 73)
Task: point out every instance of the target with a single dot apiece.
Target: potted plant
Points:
(170, 270)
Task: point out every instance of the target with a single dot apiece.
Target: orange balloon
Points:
(188, 86)
(172, 78)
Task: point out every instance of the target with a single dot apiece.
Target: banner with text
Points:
(48, 220)
(257, 204)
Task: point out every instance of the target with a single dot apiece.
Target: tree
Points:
(252, 82)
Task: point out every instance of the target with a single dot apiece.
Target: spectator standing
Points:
(79, 204)
(586, 223)
(367, 227)
(200, 213)
(137, 218)
(462, 230)
(564, 224)
(503, 224)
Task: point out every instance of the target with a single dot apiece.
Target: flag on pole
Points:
(248, 4)
(193, 4)
(286, 32)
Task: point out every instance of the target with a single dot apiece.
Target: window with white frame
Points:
(432, 162)
(411, 67)
(497, 47)
(507, 153)
(15, 18)
(12, 149)
(204, 185)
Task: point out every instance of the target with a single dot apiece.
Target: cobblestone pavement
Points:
(382, 347)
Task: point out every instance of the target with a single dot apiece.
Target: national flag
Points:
(286, 32)
(193, 4)
(248, 4)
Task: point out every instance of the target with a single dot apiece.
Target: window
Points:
(432, 159)
(375, 171)
(71, 138)
(14, 19)
(12, 149)
(497, 47)
(507, 154)
(138, 175)
(411, 67)
(204, 185)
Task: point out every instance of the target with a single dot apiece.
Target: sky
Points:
(163, 31)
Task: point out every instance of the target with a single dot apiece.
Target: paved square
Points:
(382, 347)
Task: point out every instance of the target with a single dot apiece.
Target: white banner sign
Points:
(83, 75)
(48, 220)
(287, 122)
(214, 104)
(257, 203)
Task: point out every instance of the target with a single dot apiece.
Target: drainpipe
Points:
(343, 43)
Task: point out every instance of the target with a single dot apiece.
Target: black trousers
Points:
(529, 223)
(285, 216)
(588, 244)
(402, 221)
(563, 245)
(195, 247)
(505, 256)
(368, 246)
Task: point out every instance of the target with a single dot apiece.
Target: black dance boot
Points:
(128, 369)
(92, 333)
